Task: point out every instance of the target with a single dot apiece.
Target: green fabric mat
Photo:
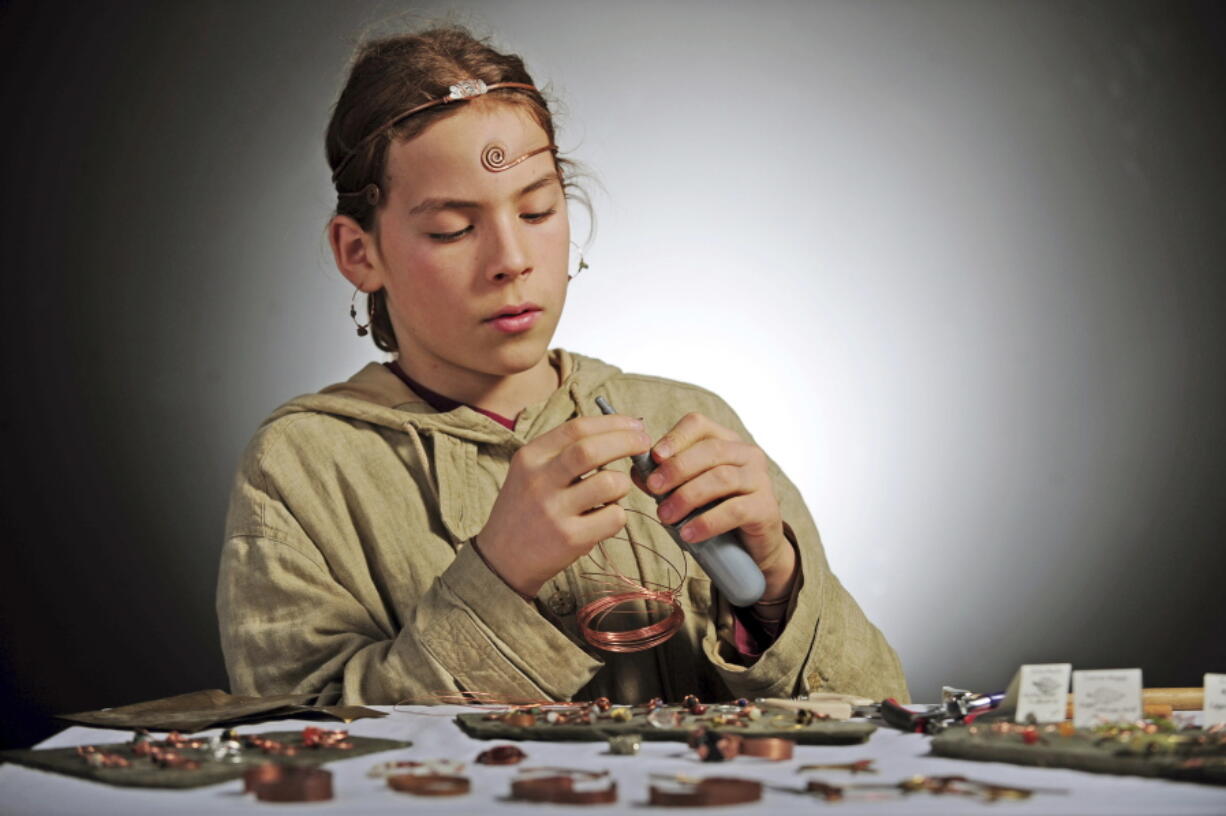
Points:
(820, 732)
(144, 774)
(1087, 751)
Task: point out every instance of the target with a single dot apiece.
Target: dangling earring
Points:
(582, 263)
(353, 315)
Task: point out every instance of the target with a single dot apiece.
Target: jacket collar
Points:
(378, 396)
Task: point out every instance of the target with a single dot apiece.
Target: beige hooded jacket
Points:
(345, 570)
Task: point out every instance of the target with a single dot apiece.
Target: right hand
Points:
(546, 517)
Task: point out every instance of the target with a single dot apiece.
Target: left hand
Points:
(701, 461)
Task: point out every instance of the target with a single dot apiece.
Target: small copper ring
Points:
(775, 749)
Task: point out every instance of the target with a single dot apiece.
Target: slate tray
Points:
(144, 774)
(821, 732)
(198, 710)
(1083, 751)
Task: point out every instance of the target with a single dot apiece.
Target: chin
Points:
(515, 358)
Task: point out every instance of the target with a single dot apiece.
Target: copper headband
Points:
(463, 90)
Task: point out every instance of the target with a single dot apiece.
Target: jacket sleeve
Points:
(299, 612)
(827, 643)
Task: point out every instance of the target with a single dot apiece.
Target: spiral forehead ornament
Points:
(494, 156)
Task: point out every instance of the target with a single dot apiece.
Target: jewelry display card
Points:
(1215, 699)
(1106, 695)
(1042, 692)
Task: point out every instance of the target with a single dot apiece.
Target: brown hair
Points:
(391, 75)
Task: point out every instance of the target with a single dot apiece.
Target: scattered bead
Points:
(625, 744)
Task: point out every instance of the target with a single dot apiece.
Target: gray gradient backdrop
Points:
(958, 266)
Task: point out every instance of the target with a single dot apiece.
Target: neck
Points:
(505, 395)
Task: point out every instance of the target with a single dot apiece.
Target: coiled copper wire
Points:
(592, 614)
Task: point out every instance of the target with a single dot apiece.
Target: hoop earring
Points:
(582, 263)
(353, 315)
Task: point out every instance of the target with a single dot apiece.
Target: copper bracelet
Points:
(429, 784)
(715, 790)
(272, 782)
(561, 790)
(775, 749)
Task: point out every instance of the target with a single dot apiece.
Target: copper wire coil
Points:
(633, 640)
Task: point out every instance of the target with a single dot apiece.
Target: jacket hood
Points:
(378, 396)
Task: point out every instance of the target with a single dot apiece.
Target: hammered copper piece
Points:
(430, 784)
(501, 755)
(716, 790)
(271, 782)
(775, 749)
(520, 719)
(560, 789)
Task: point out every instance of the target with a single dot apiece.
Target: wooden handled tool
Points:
(1162, 702)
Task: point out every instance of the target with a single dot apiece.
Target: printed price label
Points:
(1042, 691)
(1215, 699)
(1106, 695)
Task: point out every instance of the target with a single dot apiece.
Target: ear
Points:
(356, 253)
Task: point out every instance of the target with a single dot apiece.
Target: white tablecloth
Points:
(434, 735)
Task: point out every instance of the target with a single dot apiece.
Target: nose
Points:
(508, 252)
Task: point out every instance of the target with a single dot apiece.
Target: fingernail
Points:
(638, 423)
(655, 481)
(663, 450)
(666, 512)
(687, 533)
(645, 440)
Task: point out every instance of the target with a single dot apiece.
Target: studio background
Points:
(958, 265)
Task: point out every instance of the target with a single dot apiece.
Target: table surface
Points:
(435, 736)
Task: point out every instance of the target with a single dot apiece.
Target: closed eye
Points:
(536, 218)
(448, 237)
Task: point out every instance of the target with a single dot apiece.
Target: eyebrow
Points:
(432, 205)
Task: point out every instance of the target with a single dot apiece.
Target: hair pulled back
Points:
(392, 74)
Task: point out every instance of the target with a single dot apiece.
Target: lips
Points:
(515, 319)
(510, 311)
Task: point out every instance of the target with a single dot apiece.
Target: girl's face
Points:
(460, 245)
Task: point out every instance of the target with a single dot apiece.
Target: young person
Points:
(425, 527)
